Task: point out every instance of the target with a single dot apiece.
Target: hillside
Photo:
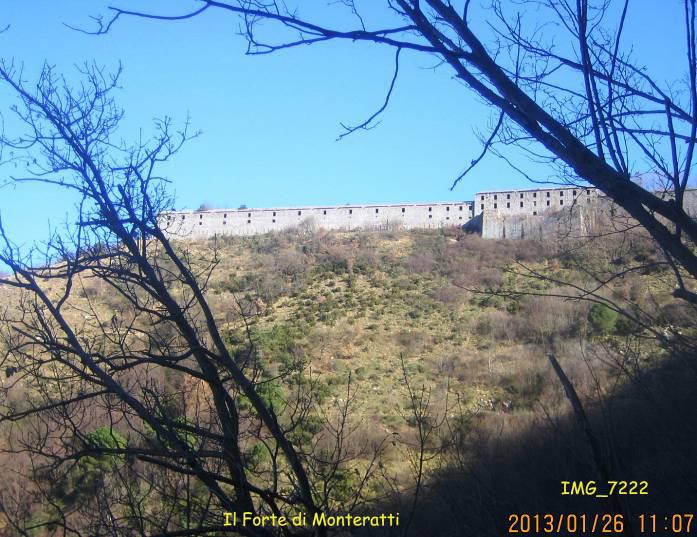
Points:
(462, 324)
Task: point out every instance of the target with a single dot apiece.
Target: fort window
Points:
(200, 217)
(521, 195)
(377, 211)
(482, 206)
(403, 209)
(249, 221)
(588, 192)
(495, 205)
(508, 205)
(447, 208)
(547, 194)
(460, 218)
(447, 218)
(460, 207)
(574, 192)
(430, 209)
(200, 223)
(430, 216)
(534, 204)
(561, 193)
(224, 222)
(534, 194)
(495, 196)
(521, 203)
(547, 203)
(273, 221)
(561, 202)
(508, 196)
(183, 217)
(324, 212)
(350, 211)
(299, 213)
(249, 215)
(534, 213)
(482, 198)
(225, 215)
(274, 213)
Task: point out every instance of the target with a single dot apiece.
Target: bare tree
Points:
(587, 107)
(139, 418)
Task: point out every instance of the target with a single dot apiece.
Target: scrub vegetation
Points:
(431, 347)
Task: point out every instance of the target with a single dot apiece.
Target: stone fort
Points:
(513, 214)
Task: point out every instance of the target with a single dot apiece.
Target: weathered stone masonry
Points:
(534, 202)
(202, 224)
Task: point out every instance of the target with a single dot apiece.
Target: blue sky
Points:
(269, 123)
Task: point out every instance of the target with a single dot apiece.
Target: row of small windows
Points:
(534, 194)
(430, 209)
(249, 221)
(324, 212)
(508, 205)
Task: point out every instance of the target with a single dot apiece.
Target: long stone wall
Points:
(203, 224)
(506, 214)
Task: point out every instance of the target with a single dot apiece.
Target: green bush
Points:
(257, 456)
(306, 429)
(270, 393)
(105, 437)
(82, 481)
(602, 319)
(278, 343)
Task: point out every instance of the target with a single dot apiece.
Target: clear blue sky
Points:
(270, 122)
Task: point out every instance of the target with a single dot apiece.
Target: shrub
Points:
(412, 341)
(257, 456)
(524, 388)
(602, 319)
(497, 325)
(105, 438)
(545, 317)
(306, 428)
(334, 259)
(447, 294)
(420, 263)
(271, 394)
(290, 262)
(86, 477)
(279, 343)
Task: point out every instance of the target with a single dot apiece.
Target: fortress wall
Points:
(533, 202)
(556, 225)
(203, 224)
(690, 202)
(515, 214)
(589, 215)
